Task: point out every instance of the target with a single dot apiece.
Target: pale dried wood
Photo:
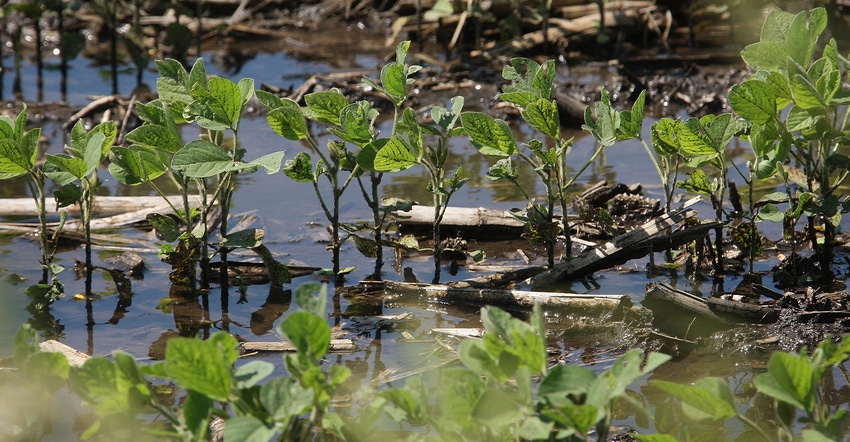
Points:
(103, 205)
(504, 297)
(75, 357)
(763, 314)
(460, 332)
(458, 216)
(336, 346)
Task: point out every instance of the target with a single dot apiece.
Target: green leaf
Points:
(64, 169)
(475, 356)
(197, 409)
(790, 378)
(107, 388)
(13, 162)
(94, 152)
(156, 137)
(284, 397)
(604, 129)
(251, 373)
(521, 99)
(708, 398)
(394, 156)
(270, 162)
(312, 297)
(564, 380)
(288, 122)
(165, 226)
(300, 168)
(697, 182)
(271, 101)
(246, 239)
(631, 122)
(665, 136)
(542, 115)
(448, 118)
(201, 366)
(325, 106)
(753, 100)
(367, 247)
(497, 408)
(490, 136)
(136, 164)
(803, 34)
(357, 121)
(394, 79)
(25, 344)
(229, 99)
(68, 194)
(247, 429)
(202, 159)
(579, 418)
(308, 333)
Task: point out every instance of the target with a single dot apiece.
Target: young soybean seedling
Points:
(411, 143)
(351, 123)
(18, 155)
(76, 172)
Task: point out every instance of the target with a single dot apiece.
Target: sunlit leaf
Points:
(753, 100)
(200, 366)
(201, 159)
(490, 136)
(288, 122)
(790, 378)
(325, 106)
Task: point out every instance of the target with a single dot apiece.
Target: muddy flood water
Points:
(392, 334)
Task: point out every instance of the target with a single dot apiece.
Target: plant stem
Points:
(36, 184)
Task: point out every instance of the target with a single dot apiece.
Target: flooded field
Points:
(392, 333)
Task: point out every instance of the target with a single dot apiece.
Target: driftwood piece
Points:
(248, 348)
(103, 205)
(687, 301)
(98, 105)
(762, 314)
(615, 252)
(460, 332)
(519, 298)
(724, 310)
(75, 357)
(474, 222)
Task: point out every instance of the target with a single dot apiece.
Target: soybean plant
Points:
(18, 155)
(352, 123)
(532, 90)
(796, 107)
(76, 172)
(399, 153)
(216, 105)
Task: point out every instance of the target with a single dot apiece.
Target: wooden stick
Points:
(521, 298)
(103, 205)
(685, 300)
(75, 357)
(337, 346)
